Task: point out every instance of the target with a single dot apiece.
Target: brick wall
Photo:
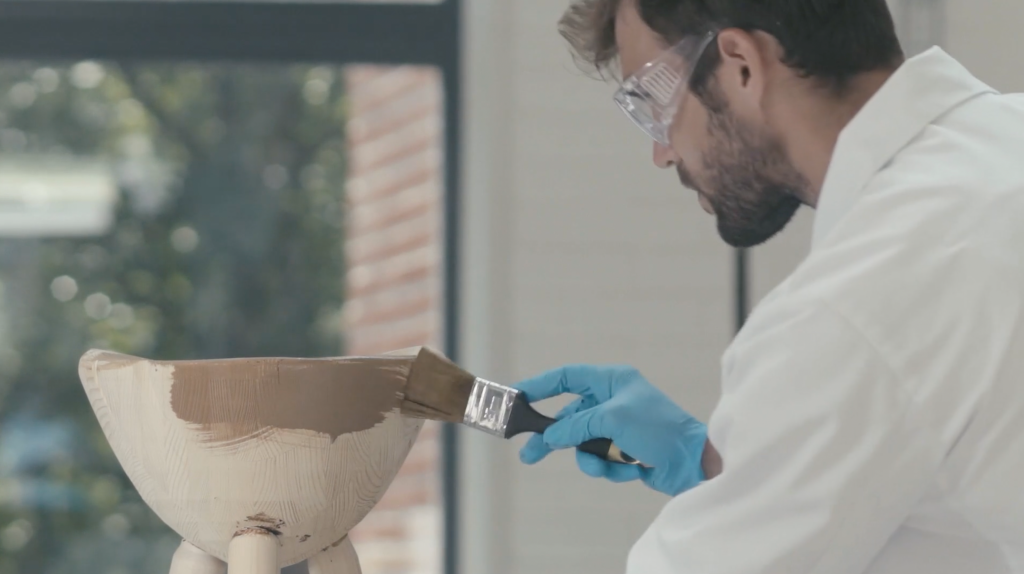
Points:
(394, 246)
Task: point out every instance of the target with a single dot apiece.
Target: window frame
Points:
(383, 33)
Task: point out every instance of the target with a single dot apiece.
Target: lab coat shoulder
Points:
(926, 265)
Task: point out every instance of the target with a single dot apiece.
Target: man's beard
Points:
(752, 186)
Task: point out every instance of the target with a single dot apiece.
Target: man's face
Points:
(737, 165)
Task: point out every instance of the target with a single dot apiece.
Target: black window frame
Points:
(382, 33)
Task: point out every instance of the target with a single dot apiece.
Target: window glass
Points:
(173, 211)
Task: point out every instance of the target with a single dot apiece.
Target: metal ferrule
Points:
(489, 407)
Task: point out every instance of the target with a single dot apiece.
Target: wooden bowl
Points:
(300, 449)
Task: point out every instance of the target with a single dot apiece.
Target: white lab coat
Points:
(872, 410)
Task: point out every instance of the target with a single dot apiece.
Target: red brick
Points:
(410, 266)
(399, 238)
(405, 171)
(379, 301)
(413, 105)
(393, 285)
(369, 94)
(423, 120)
(417, 140)
(417, 306)
(403, 211)
(424, 181)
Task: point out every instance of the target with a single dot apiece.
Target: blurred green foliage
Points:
(227, 242)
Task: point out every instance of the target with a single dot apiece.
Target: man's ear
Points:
(742, 75)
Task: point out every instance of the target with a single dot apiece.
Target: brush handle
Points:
(524, 418)
(606, 449)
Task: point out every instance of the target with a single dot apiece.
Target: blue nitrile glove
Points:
(617, 402)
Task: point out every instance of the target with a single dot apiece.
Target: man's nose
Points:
(664, 156)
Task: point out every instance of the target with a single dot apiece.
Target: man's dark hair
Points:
(828, 40)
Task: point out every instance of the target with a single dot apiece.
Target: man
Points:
(872, 408)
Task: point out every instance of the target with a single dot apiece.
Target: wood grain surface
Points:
(299, 484)
(338, 559)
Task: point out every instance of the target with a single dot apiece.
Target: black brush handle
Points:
(525, 418)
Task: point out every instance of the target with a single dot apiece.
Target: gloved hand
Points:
(618, 403)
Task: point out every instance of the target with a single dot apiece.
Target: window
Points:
(197, 208)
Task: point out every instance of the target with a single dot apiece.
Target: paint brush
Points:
(438, 389)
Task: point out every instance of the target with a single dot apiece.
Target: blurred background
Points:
(193, 179)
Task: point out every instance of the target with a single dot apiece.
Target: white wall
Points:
(576, 249)
(985, 37)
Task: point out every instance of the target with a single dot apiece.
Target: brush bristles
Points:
(437, 389)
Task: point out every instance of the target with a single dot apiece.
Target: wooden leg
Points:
(253, 552)
(188, 559)
(338, 559)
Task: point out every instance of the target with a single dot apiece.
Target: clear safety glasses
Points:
(651, 96)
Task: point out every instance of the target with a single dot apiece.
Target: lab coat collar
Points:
(921, 90)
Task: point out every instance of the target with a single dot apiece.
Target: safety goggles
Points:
(651, 96)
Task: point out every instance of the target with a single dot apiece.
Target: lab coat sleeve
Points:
(823, 456)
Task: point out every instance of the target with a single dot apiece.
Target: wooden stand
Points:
(188, 559)
(339, 559)
(253, 551)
